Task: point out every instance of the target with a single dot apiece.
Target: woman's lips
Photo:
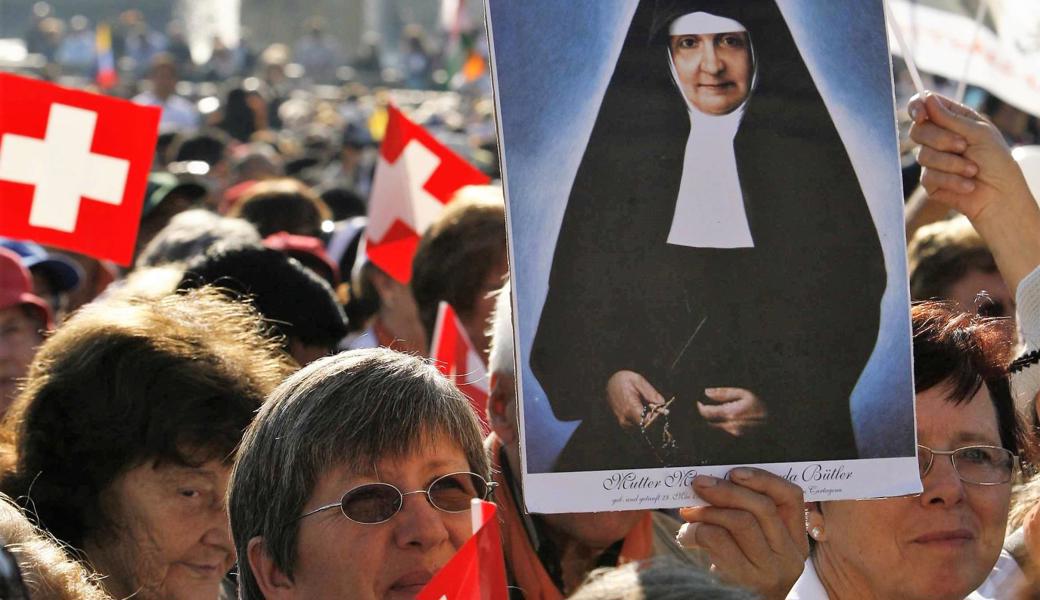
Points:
(716, 87)
(949, 536)
(205, 570)
(411, 582)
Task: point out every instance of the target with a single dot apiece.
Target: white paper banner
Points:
(1005, 62)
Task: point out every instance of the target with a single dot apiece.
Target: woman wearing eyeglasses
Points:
(945, 544)
(355, 480)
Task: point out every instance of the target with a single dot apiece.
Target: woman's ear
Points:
(273, 583)
(814, 521)
(501, 408)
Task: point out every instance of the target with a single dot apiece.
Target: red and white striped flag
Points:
(415, 177)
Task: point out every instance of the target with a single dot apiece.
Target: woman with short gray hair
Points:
(319, 497)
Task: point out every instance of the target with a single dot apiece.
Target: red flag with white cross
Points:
(477, 571)
(453, 353)
(415, 177)
(73, 167)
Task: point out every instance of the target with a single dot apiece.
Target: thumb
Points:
(647, 391)
(954, 116)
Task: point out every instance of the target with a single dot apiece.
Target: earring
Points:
(816, 532)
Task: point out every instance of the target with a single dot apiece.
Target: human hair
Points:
(239, 120)
(965, 352)
(191, 233)
(500, 353)
(942, 253)
(163, 60)
(282, 205)
(295, 301)
(257, 161)
(663, 578)
(208, 146)
(457, 253)
(354, 409)
(125, 382)
(47, 571)
(1024, 499)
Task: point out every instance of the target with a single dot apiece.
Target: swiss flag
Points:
(455, 356)
(73, 167)
(415, 177)
(477, 571)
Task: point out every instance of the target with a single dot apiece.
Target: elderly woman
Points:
(355, 480)
(125, 432)
(944, 543)
(711, 111)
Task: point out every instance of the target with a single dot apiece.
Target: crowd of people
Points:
(246, 410)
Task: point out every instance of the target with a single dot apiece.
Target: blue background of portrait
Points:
(553, 61)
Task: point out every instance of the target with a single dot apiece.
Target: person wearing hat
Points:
(24, 317)
(53, 275)
(165, 196)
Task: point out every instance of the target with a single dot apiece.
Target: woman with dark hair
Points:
(945, 543)
(125, 432)
(716, 250)
(244, 113)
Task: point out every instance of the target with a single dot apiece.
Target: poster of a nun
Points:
(707, 248)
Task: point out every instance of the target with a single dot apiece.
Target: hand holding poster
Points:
(706, 231)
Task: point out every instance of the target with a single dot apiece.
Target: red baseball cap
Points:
(16, 287)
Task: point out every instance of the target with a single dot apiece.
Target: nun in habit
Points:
(715, 236)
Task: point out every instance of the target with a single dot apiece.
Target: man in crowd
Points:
(949, 261)
(177, 112)
(461, 259)
(23, 319)
(548, 556)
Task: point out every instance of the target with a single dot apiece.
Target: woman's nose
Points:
(710, 62)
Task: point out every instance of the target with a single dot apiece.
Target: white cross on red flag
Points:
(456, 357)
(73, 167)
(415, 177)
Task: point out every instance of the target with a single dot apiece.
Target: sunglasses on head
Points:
(373, 503)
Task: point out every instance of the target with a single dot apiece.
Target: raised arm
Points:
(968, 166)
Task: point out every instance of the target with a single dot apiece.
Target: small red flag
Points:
(73, 167)
(454, 354)
(478, 570)
(415, 177)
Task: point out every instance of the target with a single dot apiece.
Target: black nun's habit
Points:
(785, 302)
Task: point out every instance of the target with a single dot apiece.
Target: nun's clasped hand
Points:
(753, 530)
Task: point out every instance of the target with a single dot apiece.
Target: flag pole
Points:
(980, 13)
(476, 514)
(908, 58)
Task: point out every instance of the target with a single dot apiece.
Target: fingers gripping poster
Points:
(707, 248)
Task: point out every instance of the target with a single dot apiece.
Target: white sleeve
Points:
(1004, 581)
